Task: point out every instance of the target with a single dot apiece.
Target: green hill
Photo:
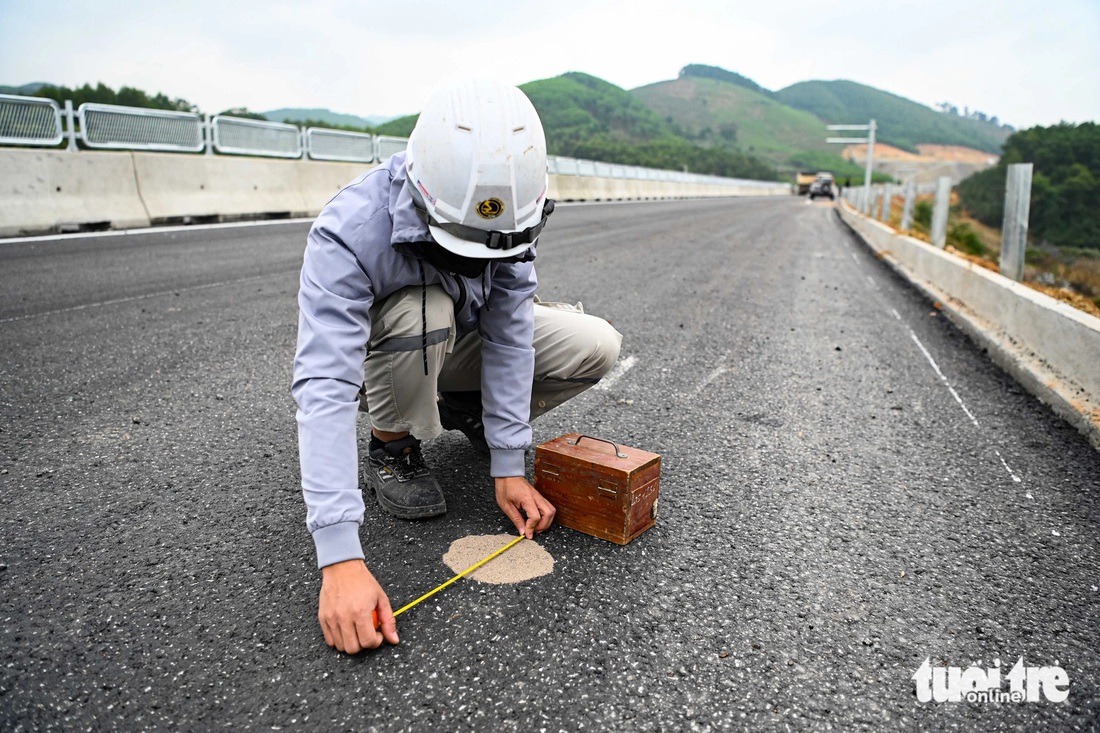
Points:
(901, 122)
(575, 108)
(325, 116)
(400, 127)
(587, 117)
(717, 108)
(702, 71)
(24, 90)
(718, 113)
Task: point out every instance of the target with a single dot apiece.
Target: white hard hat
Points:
(476, 165)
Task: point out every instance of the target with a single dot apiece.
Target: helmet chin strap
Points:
(490, 239)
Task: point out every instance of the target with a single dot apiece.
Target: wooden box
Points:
(599, 488)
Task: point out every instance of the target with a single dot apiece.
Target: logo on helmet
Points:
(490, 208)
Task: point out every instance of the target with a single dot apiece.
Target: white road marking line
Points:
(707, 382)
(963, 405)
(871, 280)
(616, 373)
(1010, 471)
(942, 377)
(935, 366)
(853, 256)
(146, 296)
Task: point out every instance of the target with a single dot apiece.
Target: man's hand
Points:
(349, 597)
(517, 499)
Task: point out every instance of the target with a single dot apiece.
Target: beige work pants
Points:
(573, 351)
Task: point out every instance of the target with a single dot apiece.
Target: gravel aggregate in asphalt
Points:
(831, 516)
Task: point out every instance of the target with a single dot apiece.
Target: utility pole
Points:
(869, 140)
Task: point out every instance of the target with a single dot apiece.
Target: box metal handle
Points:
(618, 453)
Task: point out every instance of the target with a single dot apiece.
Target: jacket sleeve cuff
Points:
(506, 462)
(337, 542)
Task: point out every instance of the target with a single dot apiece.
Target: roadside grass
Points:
(1068, 274)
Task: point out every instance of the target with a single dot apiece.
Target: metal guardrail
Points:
(387, 146)
(351, 147)
(38, 121)
(29, 121)
(240, 136)
(113, 127)
(562, 166)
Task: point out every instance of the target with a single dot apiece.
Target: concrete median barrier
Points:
(320, 181)
(1050, 347)
(176, 187)
(53, 190)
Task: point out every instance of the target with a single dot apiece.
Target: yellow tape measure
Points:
(467, 571)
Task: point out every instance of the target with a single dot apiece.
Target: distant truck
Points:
(803, 180)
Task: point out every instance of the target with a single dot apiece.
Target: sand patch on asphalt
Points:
(524, 561)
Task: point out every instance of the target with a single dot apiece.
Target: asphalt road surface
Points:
(850, 487)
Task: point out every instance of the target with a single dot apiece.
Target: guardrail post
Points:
(907, 209)
(939, 213)
(208, 135)
(884, 212)
(71, 123)
(1014, 229)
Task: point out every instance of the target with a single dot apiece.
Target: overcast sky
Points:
(1027, 62)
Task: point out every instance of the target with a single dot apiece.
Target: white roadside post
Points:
(939, 213)
(1014, 228)
(870, 141)
(70, 123)
(907, 209)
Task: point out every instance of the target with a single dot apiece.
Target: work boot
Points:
(462, 411)
(404, 485)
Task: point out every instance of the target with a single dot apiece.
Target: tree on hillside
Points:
(702, 71)
(103, 94)
(243, 112)
(329, 126)
(587, 117)
(1064, 189)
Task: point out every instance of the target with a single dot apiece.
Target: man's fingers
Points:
(329, 638)
(531, 509)
(512, 513)
(548, 512)
(543, 515)
(389, 624)
(350, 638)
(366, 635)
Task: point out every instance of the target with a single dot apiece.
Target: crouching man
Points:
(417, 305)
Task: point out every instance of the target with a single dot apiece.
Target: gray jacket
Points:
(361, 249)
